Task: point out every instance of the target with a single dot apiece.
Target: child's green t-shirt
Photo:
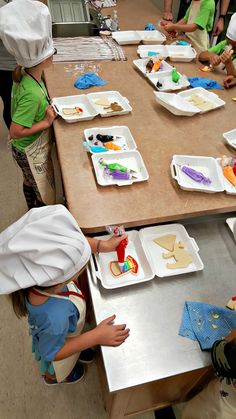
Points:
(220, 48)
(205, 18)
(28, 106)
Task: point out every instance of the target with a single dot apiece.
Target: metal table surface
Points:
(153, 311)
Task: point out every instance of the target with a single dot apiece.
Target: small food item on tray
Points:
(228, 172)
(182, 257)
(167, 241)
(206, 69)
(113, 107)
(112, 146)
(195, 175)
(103, 101)
(154, 65)
(72, 111)
(201, 103)
(130, 266)
(159, 85)
(115, 166)
(232, 303)
(104, 138)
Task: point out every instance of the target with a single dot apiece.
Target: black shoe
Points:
(87, 356)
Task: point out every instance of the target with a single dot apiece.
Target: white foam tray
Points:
(151, 37)
(112, 96)
(231, 221)
(179, 104)
(155, 251)
(131, 159)
(230, 137)
(135, 249)
(145, 51)
(166, 80)
(209, 166)
(140, 64)
(126, 37)
(81, 101)
(125, 139)
(181, 53)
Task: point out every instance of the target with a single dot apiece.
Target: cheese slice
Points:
(167, 241)
(69, 111)
(103, 101)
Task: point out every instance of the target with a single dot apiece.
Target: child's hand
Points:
(50, 115)
(110, 335)
(169, 27)
(111, 244)
(225, 57)
(229, 81)
(167, 16)
(215, 60)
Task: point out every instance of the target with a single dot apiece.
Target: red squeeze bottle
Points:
(121, 251)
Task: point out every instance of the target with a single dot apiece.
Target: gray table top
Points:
(153, 312)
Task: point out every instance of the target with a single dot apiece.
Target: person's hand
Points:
(229, 81)
(225, 57)
(50, 115)
(231, 336)
(111, 244)
(219, 27)
(168, 16)
(215, 60)
(110, 335)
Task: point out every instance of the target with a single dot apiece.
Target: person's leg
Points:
(31, 193)
(5, 93)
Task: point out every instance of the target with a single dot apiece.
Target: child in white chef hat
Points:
(224, 54)
(25, 30)
(41, 256)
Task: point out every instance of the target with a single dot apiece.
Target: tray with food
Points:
(126, 37)
(168, 81)
(230, 137)
(151, 37)
(181, 53)
(107, 139)
(145, 51)
(109, 103)
(74, 108)
(152, 65)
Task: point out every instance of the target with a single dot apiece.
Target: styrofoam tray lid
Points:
(205, 94)
(176, 104)
(208, 166)
(230, 137)
(229, 188)
(136, 250)
(126, 37)
(166, 80)
(181, 53)
(231, 221)
(81, 101)
(155, 252)
(122, 136)
(141, 63)
(151, 37)
(145, 51)
(130, 159)
(111, 96)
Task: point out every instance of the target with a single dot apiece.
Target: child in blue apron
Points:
(25, 30)
(41, 256)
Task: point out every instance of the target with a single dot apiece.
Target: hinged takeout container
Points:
(121, 133)
(135, 37)
(208, 166)
(148, 255)
(174, 52)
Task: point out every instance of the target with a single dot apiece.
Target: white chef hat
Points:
(26, 31)
(45, 247)
(231, 31)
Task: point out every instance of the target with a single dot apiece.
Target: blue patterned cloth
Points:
(206, 323)
(88, 80)
(205, 83)
(150, 27)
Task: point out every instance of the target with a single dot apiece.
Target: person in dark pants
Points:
(7, 65)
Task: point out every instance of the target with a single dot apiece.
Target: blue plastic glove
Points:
(88, 80)
(150, 27)
(205, 83)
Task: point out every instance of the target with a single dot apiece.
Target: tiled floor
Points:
(22, 392)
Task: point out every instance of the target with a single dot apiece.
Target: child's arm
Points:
(105, 246)
(229, 66)
(181, 26)
(103, 334)
(167, 15)
(210, 57)
(18, 131)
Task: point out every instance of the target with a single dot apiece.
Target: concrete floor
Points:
(23, 394)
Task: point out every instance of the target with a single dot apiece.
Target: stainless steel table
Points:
(153, 310)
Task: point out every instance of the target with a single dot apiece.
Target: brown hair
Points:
(17, 74)
(18, 302)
